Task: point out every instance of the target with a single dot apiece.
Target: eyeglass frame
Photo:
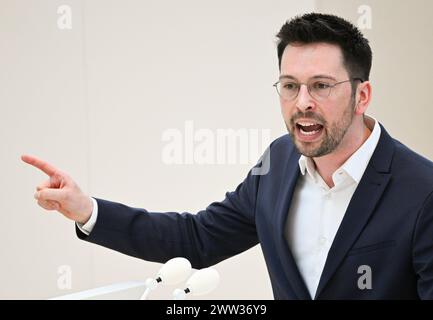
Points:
(308, 88)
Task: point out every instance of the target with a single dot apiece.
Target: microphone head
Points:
(174, 271)
(203, 281)
(179, 294)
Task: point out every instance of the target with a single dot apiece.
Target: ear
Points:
(362, 97)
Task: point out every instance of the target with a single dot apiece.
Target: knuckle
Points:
(42, 195)
(39, 195)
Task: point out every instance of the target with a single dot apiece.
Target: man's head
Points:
(334, 59)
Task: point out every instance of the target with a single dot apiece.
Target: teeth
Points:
(306, 124)
(308, 133)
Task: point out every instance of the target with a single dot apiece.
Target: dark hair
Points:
(317, 27)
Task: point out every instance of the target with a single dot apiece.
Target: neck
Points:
(356, 135)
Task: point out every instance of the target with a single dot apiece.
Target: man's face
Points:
(331, 116)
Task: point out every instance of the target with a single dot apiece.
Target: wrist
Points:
(87, 212)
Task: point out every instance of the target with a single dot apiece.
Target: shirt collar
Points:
(357, 162)
(307, 164)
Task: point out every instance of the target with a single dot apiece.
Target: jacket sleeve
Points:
(222, 230)
(423, 250)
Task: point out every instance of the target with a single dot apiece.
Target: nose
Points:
(304, 101)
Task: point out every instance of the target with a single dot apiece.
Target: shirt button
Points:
(322, 240)
(327, 196)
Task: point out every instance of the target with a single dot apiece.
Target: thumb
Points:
(48, 194)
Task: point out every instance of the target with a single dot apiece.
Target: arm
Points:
(222, 230)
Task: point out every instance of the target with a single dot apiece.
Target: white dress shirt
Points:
(316, 210)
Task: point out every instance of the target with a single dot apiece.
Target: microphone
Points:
(174, 271)
(200, 283)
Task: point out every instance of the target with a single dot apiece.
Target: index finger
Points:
(40, 164)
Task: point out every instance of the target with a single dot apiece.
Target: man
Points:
(345, 211)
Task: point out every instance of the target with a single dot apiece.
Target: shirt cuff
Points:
(89, 225)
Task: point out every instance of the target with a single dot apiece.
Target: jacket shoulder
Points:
(283, 144)
(412, 166)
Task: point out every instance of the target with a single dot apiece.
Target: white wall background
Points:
(95, 100)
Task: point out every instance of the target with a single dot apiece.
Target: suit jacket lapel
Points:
(361, 206)
(287, 187)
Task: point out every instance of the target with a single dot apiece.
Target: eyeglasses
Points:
(318, 89)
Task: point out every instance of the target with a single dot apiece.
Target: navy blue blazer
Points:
(388, 226)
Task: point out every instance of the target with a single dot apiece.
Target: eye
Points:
(290, 86)
(320, 85)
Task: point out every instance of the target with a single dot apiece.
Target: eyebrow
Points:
(319, 76)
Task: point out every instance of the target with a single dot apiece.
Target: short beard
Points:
(331, 140)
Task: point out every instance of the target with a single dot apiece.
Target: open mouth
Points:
(308, 131)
